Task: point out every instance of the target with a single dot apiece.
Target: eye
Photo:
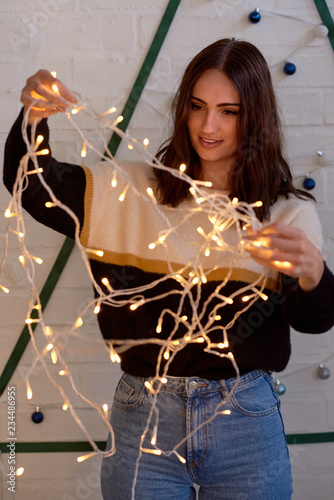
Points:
(230, 112)
(196, 107)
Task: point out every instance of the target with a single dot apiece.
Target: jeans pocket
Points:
(130, 393)
(255, 397)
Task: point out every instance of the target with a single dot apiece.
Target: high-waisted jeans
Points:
(241, 455)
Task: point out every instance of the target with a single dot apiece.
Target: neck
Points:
(219, 177)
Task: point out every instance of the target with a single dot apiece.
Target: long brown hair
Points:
(260, 171)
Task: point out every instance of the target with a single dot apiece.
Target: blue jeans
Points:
(237, 456)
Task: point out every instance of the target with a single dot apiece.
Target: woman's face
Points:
(213, 121)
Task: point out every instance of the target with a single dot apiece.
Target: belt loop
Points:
(224, 388)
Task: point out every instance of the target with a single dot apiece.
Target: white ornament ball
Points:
(321, 31)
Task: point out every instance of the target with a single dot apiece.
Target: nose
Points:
(210, 123)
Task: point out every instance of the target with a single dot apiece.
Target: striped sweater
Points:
(171, 305)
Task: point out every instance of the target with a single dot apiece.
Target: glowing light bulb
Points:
(39, 140)
(8, 213)
(151, 195)
(114, 356)
(164, 380)
(49, 347)
(106, 283)
(122, 196)
(50, 204)
(83, 153)
(246, 298)
(75, 111)
(153, 452)
(55, 88)
(29, 390)
(130, 147)
(54, 74)
(159, 327)
(105, 408)
(257, 204)
(119, 119)
(200, 230)
(154, 436)
(183, 460)
(166, 355)
(31, 172)
(19, 471)
(235, 201)
(207, 252)
(54, 356)
(85, 457)
(151, 246)
(110, 111)
(97, 309)
(65, 406)
(4, 289)
(182, 167)
(78, 323)
(226, 412)
(99, 253)
(114, 181)
(62, 373)
(36, 259)
(146, 142)
(148, 385)
(48, 331)
(42, 152)
(218, 317)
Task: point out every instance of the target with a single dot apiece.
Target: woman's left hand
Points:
(288, 250)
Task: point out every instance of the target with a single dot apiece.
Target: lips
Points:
(209, 143)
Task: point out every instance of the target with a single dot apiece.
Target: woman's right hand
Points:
(51, 96)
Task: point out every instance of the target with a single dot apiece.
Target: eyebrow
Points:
(218, 105)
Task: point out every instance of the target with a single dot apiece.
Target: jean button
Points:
(193, 385)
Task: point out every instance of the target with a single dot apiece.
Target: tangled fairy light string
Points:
(221, 215)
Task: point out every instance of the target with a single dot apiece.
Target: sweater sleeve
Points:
(309, 312)
(313, 311)
(67, 181)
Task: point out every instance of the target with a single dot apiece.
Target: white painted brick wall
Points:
(98, 50)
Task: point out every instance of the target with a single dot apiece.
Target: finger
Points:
(275, 242)
(43, 85)
(281, 229)
(269, 255)
(281, 266)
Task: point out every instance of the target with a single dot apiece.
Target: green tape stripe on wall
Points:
(326, 18)
(83, 446)
(45, 295)
(115, 140)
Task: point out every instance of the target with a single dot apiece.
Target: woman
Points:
(229, 440)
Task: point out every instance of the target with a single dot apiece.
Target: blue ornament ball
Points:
(309, 183)
(323, 372)
(37, 416)
(289, 68)
(280, 388)
(254, 17)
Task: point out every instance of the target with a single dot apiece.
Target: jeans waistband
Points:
(188, 385)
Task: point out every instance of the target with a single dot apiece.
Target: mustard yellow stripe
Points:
(162, 267)
(84, 236)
